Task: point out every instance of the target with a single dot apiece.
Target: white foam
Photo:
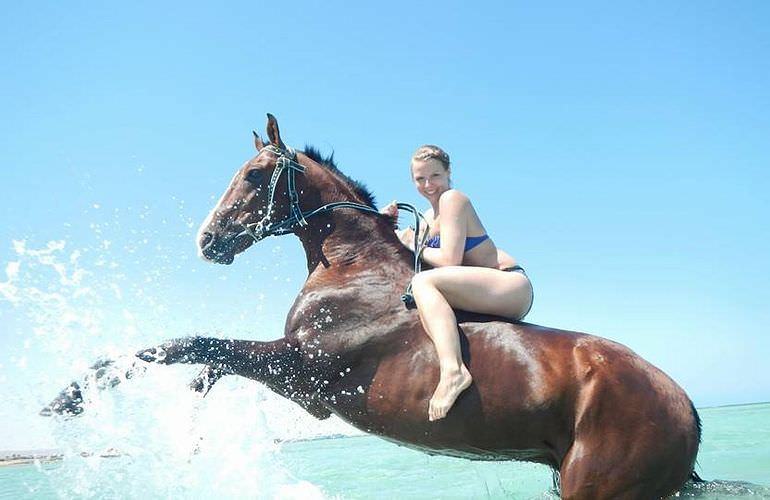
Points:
(73, 305)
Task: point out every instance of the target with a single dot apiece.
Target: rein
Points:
(287, 161)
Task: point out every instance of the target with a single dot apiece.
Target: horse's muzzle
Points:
(219, 250)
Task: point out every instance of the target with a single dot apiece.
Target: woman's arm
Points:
(453, 207)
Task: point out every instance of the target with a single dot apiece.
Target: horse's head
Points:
(255, 203)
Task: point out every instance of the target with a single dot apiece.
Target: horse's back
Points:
(552, 359)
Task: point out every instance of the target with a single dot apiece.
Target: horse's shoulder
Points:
(343, 312)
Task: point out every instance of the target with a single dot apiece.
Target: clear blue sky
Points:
(620, 152)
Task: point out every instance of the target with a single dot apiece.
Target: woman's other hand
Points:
(391, 210)
(407, 237)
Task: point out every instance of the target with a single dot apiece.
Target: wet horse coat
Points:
(612, 424)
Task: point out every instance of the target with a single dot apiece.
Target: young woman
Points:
(470, 272)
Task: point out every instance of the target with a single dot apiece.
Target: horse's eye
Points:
(254, 176)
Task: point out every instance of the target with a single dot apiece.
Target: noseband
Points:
(287, 161)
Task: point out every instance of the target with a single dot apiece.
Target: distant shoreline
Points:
(733, 404)
(9, 459)
(29, 459)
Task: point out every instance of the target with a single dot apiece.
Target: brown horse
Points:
(610, 423)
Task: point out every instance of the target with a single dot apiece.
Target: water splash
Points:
(718, 489)
(122, 288)
(152, 436)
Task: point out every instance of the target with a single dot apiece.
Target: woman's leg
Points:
(440, 323)
(474, 289)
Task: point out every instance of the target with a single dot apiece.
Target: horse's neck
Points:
(346, 240)
(346, 246)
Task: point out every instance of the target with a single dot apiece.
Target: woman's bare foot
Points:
(447, 391)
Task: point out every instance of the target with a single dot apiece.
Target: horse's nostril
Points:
(206, 239)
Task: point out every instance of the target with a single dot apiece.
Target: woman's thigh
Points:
(481, 289)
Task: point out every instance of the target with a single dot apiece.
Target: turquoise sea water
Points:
(735, 448)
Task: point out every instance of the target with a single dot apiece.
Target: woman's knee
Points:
(423, 281)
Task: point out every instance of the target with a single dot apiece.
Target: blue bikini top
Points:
(471, 242)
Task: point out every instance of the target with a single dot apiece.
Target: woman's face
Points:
(430, 178)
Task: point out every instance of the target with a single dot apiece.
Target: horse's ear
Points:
(272, 132)
(258, 141)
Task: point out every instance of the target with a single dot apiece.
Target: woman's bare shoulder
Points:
(453, 197)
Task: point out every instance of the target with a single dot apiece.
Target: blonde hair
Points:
(431, 152)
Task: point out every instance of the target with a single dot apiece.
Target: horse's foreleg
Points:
(272, 363)
(251, 359)
(103, 374)
(206, 379)
(187, 350)
(68, 402)
(276, 364)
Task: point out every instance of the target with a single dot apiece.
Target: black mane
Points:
(328, 162)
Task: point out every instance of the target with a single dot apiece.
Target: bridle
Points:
(286, 161)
